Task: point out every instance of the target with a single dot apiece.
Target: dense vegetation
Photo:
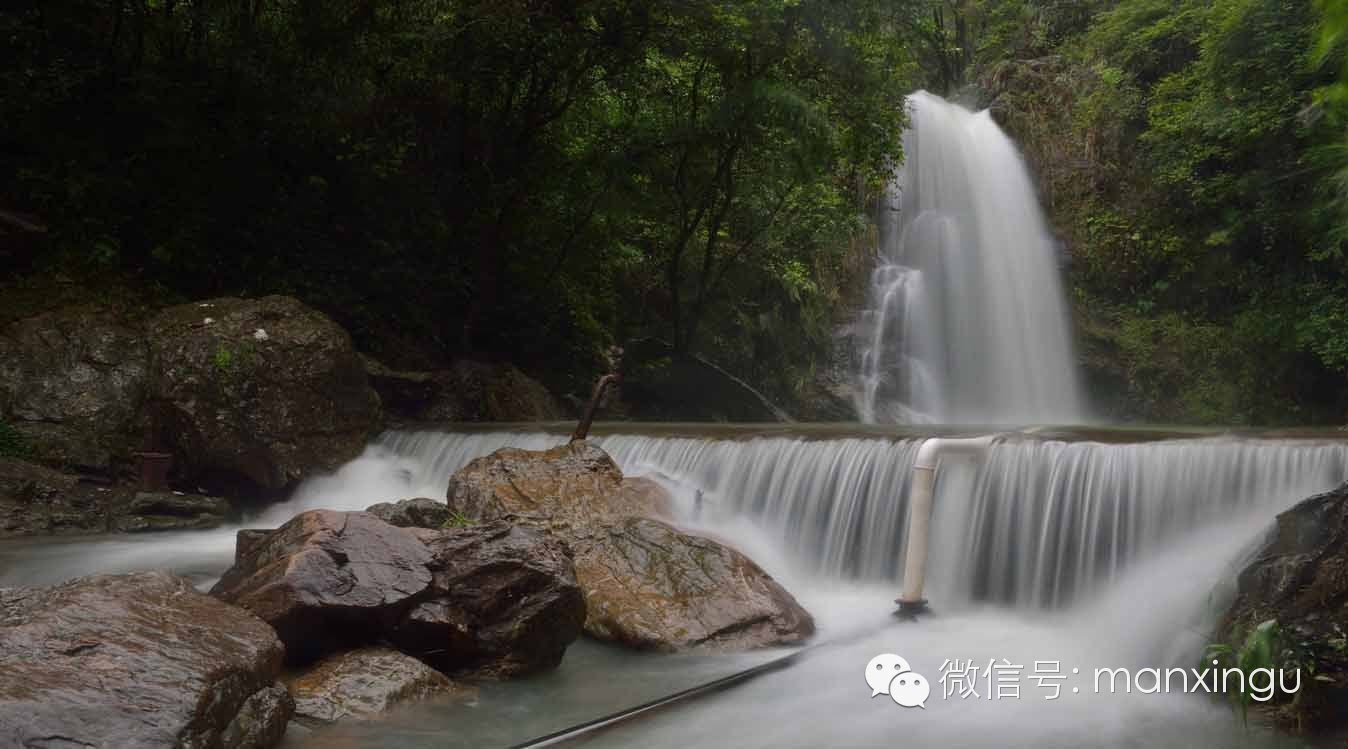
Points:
(1190, 154)
(532, 179)
(542, 180)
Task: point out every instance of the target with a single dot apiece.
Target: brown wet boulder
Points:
(488, 599)
(362, 684)
(136, 660)
(35, 500)
(646, 584)
(329, 580)
(503, 601)
(266, 390)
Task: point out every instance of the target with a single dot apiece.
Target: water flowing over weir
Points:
(1038, 524)
(965, 321)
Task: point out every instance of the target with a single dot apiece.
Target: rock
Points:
(503, 601)
(72, 384)
(136, 660)
(652, 587)
(329, 580)
(246, 539)
(267, 389)
(487, 599)
(162, 511)
(412, 513)
(35, 500)
(1300, 578)
(362, 684)
(467, 391)
(645, 583)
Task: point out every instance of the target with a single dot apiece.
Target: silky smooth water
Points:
(965, 321)
(1089, 554)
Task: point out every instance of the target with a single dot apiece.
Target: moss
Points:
(12, 443)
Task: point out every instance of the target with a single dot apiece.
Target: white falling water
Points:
(965, 321)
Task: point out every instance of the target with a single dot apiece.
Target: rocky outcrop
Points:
(466, 391)
(646, 583)
(72, 384)
(1300, 579)
(421, 512)
(136, 660)
(489, 599)
(266, 389)
(362, 683)
(35, 500)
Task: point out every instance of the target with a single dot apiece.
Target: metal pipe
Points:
(919, 510)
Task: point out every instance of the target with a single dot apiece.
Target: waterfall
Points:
(965, 320)
(1036, 523)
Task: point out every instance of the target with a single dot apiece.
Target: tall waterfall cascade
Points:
(965, 321)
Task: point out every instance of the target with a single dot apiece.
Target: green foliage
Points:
(1257, 652)
(459, 177)
(457, 519)
(12, 443)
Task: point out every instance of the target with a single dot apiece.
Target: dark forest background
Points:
(537, 181)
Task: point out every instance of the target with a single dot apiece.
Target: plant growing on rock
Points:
(1256, 653)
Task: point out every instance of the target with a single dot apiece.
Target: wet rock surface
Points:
(72, 384)
(35, 501)
(266, 390)
(137, 660)
(1300, 579)
(646, 584)
(328, 580)
(488, 599)
(420, 512)
(361, 684)
(503, 601)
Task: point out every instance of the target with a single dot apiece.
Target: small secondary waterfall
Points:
(965, 321)
(1038, 523)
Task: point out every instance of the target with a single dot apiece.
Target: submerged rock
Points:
(646, 584)
(267, 389)
(136, 660)
(487, 599)
(362, 684)
(421, 512)
(72, 383)
(1300, 579)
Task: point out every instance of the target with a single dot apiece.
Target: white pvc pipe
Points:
(919, 507)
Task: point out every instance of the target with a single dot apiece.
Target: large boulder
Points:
(361, 684)
(503, 601)
(267, 390)
(136, 660)
(72, 384)
(1299, 578)
(646, 584)
(467, 391)
(35, 500)
(329, 580)
(486, 599)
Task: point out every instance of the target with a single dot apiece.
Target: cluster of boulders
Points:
(344, 614)
(245, 396)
